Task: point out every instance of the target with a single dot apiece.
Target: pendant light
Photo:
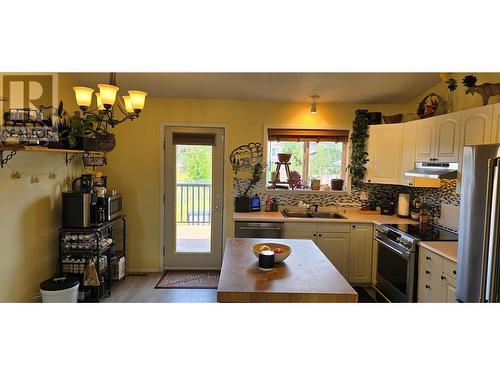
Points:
(130, 105)
(314, 104)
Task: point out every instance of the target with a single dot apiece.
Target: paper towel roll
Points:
(404, 205)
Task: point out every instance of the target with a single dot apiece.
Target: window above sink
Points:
(315, 155)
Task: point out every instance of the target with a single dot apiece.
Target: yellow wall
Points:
(462, 101)
(30, 215)
(134, 166)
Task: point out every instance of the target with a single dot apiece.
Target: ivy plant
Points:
(359, 156)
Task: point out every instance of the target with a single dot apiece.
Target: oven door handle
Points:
(392, 248)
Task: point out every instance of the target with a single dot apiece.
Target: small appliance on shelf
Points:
(88, 204)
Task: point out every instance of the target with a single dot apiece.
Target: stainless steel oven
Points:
(396, 265)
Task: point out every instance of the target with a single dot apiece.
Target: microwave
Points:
(111, 205)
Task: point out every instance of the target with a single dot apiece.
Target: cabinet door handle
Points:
(314, 234)
(454, 272)
(319, 234)
(428, 258)
(427, 272)
(443, 278)
(354, 226)
(427, 286)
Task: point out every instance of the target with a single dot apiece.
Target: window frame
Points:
(345, 159)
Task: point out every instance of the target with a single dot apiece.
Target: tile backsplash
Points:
(446, 193)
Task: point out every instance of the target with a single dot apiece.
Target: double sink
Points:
(313, 215)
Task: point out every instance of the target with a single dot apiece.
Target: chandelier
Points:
(129, 105)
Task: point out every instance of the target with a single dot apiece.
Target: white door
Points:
(360, 253)
(194, 183)
(449, 290)
(335, 246)
(408, 151)
(425, 138)
(384, 153)
(476, 125)
(447, 137)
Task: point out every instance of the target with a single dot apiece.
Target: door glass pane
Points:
(393, 268)
(193, 198)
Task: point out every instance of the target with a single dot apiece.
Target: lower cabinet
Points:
(336, 248)
(360, 254)
(347, 246)
(436, 278)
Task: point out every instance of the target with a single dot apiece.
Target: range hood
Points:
(446, 171)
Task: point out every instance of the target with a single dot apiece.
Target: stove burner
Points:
(426, 232)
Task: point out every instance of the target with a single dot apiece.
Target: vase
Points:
(450, 104)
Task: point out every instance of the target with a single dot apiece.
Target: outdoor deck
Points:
(193, 238)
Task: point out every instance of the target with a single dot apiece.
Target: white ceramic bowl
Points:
(257, 248)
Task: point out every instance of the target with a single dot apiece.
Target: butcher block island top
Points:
(305, 276)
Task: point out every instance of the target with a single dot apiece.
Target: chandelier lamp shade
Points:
(130, 105)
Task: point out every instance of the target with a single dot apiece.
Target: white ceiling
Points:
(365, 88)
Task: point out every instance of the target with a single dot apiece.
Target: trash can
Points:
(63, 288)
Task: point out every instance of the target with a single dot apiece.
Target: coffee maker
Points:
(80, 207)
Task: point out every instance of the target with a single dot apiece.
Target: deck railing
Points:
(194, 203)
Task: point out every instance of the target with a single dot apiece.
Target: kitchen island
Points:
(305, 276)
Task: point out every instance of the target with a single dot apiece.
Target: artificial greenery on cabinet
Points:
(359, 156)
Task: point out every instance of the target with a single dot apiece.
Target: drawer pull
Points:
(427, 272)
(443, 277)
(454, 272)
(427, 286)
(428, 258)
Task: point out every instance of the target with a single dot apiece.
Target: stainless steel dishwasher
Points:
(252, 229)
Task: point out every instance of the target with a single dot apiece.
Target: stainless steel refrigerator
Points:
(478, 278)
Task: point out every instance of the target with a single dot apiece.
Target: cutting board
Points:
(449, 216)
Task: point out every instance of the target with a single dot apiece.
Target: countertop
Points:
(305, 276)
(447, 249)
(352, 217)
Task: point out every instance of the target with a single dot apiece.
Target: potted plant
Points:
(242, 201)
(85, 133)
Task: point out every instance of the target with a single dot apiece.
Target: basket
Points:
(393, 119)
(94, 160)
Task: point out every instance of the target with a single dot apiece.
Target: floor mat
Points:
(189, 280)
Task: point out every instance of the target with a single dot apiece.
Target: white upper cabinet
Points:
(475, 126)
(437, 139)
(384, 153)
(408, 154)
(495, 128)
(425, 139)
(447, 138)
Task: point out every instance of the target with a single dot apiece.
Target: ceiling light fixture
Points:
(130, 105)
(314, 105)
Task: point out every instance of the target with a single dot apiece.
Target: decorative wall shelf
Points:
(8, 152)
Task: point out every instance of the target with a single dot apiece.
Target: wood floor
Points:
(141, 288)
